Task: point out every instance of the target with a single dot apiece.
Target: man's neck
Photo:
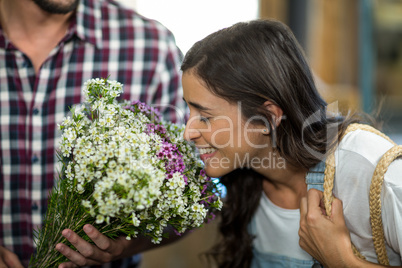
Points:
(32, 30)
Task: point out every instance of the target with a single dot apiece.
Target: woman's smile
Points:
(206, 153)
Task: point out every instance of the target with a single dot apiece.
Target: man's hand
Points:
(104, 250)
(8, 259)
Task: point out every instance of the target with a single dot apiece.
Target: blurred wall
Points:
(327, 31)
(355, 50)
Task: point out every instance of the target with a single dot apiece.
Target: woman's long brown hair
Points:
(251, 63)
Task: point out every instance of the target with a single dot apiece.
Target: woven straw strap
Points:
(375, 202)
(375, 190)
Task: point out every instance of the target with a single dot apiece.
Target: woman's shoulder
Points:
(364, 144)
(360, 151)
(356, 159)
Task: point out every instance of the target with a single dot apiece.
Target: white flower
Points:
(100, 219)
(86, 203)
(219, 204)
(136, 221)
(112, 164)
(196, 207)
(150, 227)
(157, 240)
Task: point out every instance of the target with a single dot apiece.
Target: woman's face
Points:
(224, 139)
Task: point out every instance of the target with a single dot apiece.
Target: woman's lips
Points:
(206, 153)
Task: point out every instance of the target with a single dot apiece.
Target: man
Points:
(48, 49)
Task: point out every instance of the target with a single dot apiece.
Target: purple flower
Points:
(176, 232)
(172, 157)
(161, 129)
(204, 188)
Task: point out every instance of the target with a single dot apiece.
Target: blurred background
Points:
(354, 48)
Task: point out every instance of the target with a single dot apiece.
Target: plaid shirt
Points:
(104, 40)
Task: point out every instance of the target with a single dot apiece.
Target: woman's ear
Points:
(276, 112)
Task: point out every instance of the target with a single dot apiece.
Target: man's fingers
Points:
(13, 261)
(9, 259)
(74, 256)
(100, 240)
(86, 254)
(2, 264)
(80, 244)
(68, 265)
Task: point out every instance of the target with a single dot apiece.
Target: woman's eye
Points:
(204, 119)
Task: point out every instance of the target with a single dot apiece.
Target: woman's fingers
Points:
(303, 207)
(337, 211)
(314, 200)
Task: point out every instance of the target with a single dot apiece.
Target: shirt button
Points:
(34, 206)
(35, 159)
(35, 111)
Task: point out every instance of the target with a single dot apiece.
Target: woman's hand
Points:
(326, 238)
(9, 259)
(104, 250)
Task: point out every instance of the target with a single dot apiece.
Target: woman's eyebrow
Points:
(197, 106)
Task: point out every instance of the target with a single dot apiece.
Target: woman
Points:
(260, 125)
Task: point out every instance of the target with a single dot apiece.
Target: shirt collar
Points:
(89, 22)
(86, 24)
(3, 40)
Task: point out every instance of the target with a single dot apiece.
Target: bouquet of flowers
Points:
(124, 171)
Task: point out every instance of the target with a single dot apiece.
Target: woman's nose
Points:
(191, 131)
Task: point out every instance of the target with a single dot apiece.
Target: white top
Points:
(356, 158)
